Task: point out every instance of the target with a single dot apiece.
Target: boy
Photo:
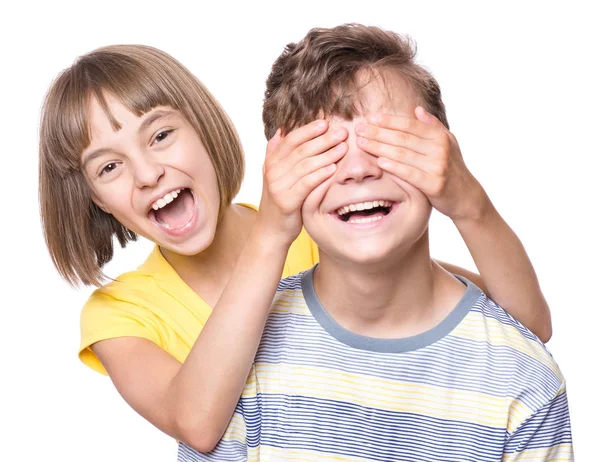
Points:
(378, 353)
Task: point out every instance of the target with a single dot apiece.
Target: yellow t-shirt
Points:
(153, 302)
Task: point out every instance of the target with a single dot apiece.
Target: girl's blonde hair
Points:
(79, 235)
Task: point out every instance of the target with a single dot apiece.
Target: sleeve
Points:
(104, 317)
(544, 436)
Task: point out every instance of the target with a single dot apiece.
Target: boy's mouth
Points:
(174, 210)
(364, 212)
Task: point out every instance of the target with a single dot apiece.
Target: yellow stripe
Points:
(236, 431)
(561, 452)
(387, 394)
(477, 327)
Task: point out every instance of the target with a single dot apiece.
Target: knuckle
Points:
(400, 138)
(445, 141)
(440, 168)
(301, 151)
(305, 182)
(437, 188)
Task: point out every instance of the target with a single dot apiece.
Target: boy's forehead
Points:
(379, 92)
(385, 91)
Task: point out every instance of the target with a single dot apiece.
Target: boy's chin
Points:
(361, 255)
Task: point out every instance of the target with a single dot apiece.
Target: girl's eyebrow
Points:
(153, 117)
(149, 120)
(93, 155)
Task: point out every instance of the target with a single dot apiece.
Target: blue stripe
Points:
(295, 422)
(453, 362)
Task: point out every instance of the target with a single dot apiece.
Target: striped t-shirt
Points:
(477, 387)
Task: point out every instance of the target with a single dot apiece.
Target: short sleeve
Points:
(104, 317)
(544, 436)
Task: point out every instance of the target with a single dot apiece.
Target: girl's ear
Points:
(99, 203)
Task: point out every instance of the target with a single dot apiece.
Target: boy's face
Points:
(389, 215)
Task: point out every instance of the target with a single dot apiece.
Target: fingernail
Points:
(361, 141)
(361, 128)
(321, 124)
(425, 111)
(374, 119)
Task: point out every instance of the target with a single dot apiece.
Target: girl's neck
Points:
(207, 273)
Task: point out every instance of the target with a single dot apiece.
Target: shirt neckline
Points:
(385, 345)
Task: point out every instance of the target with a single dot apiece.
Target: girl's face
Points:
(153, 175)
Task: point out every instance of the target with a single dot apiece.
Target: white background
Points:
(520, 81)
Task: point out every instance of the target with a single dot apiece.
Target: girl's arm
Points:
(506, 269)
(423, 152)
(194, 401)
(506, 272)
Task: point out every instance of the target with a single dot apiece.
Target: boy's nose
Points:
(357, 166)
(147, 171)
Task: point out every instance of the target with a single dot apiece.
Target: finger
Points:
(284, 160)
(426, 117)
(319, 145)
(316, 195)
(308, 183)
(294, 195)
(395, 153)
(406, 124)
(418, 178)
(299, 136)
(311, 164)
(274, 143)
(293, 172)
(391, 137)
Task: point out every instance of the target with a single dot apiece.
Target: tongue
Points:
(365, 213)
(177, 213)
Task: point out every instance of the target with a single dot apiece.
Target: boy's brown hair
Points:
(79, 235)
(317, 77)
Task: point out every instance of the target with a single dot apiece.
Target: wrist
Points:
(478, 213)
(269, 242)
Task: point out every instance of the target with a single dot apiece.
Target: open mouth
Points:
(174, 210)
(365, 212)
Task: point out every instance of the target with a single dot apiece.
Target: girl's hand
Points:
(295, 165)
(425, 154)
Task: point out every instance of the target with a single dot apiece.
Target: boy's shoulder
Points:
(509, 341)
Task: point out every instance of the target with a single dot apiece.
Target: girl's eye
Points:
(108, 168)
(161, 136)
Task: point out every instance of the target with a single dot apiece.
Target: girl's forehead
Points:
(112, 115)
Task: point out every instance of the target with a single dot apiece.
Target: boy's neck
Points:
(404, 296)
(208, 272)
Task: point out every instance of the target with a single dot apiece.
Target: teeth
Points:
(366, 219)
(362, 206)
(166, 199)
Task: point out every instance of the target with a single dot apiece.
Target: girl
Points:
(132, 144)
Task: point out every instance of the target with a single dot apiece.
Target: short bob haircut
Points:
(79, 235)
(317, 77)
